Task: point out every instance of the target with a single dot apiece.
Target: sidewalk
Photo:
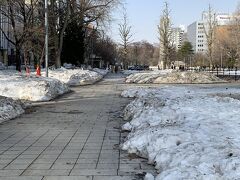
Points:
(75, 137)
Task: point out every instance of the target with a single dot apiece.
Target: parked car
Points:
(139, 67)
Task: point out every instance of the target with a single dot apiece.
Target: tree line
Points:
(77, 30)
(222, 42)
(72, 23)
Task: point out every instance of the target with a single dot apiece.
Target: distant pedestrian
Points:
(116, 69)
(113, 69)
(110, 68)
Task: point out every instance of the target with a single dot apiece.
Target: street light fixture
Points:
(46, 37)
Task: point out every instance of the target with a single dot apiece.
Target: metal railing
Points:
(230, 73)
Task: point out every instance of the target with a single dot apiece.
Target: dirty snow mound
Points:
(18, 86)
(173, 77)
(149, 176)
(186, 132)
(10, 108)
(129, 72)
(2, 66)
(75, 77)
(101, 71)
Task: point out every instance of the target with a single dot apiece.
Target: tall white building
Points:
(197, 37)
(177, 37)
(196, 33)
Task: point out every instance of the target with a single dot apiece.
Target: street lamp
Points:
(46, 37)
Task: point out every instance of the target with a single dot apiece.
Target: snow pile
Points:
(10, 108)
(68, 66)
(18, 86)
(186, 132)
(101, 71)
(2, 66)
(74, 77)
(149, 177)
(129, 72)
(170, 76)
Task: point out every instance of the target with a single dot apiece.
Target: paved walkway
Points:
(75, 137)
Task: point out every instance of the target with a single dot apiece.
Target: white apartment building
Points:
(197, 37)
(177, 37)
(196, 34)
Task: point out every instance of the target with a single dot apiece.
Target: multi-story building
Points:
(196, 35)
(196, 31)
(6, 48)
(177, 37)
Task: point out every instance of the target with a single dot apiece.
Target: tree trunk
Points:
(210, 57)
(82, 50)
(58, 59)
(18, 58)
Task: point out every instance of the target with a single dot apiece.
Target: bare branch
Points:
(164, 30)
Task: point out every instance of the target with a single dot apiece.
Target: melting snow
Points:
(31, 88)
(76, 77)
(10, 108)
(186, 132)
(170, 76)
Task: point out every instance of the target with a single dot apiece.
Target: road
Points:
(75, 137)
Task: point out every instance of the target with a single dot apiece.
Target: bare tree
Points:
(125, 32)
(155, 59)
(26, 20)
(20, 14)
(106, 49)
(143, 53)
(164, 30)
(59, 17)
(235, 31)
(82, 13)
(136, 53)
(209, 30)
(200, 59)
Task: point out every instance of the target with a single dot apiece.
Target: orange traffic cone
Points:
(38, 70)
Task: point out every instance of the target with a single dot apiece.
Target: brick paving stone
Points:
(103, 172)
(114, 178)
(86, 166)
(38, 166)
(41, 172)
(68, 178)
(7, 172)
(50, 145)
(23, 178)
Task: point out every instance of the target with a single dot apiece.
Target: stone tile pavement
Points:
(75, 137)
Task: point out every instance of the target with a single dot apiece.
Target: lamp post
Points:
(46, 37)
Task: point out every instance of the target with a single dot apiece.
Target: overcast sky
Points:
(144, 15)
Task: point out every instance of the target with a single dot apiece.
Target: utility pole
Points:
(221, 60)
(46, 37)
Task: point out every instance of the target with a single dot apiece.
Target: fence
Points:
(224, 73)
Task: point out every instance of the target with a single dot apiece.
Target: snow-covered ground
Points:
(186, 132)
(129, 72)
(101, 71)
(2, 66)
(172, 76)
(75, 77)
(10, 108)
(19, 86)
